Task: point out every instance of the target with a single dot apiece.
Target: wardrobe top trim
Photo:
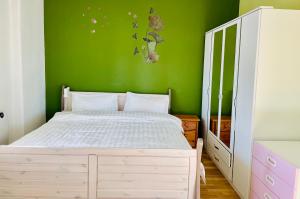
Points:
(233, 20)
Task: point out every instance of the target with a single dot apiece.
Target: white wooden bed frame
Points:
(94, 173)
(91, 173)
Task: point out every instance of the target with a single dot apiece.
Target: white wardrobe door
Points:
(33, 63)
(4, 70)
(245, 100)
(22, 68)
(206, 85)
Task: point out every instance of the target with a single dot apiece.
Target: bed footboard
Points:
(89, 173)
(145, 174)
(46, 176)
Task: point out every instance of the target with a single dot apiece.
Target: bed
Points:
(98, 155)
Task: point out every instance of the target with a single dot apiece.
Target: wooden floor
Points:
(216, 185)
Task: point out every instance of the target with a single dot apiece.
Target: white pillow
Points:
(94, 102)
(148, 103)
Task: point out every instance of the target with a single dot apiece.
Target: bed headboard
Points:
(66, 98)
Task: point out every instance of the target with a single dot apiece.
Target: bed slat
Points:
(153, 161)
(61, 159)
(134, 194)
(129, 177)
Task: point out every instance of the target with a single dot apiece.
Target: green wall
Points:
(246, 5)
(104, 61)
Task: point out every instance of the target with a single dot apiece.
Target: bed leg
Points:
(198, 172)
(192, 178)
(93, 176)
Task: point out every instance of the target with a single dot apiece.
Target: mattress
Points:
(138, 130)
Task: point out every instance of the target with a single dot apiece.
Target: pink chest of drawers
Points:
(275, 170)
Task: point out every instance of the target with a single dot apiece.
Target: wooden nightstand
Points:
(190, 125)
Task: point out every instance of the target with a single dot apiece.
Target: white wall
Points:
(26, 68)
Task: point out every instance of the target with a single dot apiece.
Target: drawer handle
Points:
(217, 159)
(270, 180)
(271, 161)
(267, 196)
(216, 147)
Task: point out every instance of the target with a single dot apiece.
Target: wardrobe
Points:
(251, 88)
(22, 68)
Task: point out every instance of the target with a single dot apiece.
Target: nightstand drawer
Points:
(190, 135)
(192, 143)
(188, 125)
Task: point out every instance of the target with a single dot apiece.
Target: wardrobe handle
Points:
(217, 159)
(220, 96)
(208, 90)
(1, 115)
(234, 102)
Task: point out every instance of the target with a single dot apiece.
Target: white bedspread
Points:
(108, 130)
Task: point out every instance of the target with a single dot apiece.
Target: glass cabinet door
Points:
(228, 85)
(223, 78)
(215, 82)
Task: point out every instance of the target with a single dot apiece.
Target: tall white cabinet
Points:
(22, 68)
(251, 79)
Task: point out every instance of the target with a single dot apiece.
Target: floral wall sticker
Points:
(95, 17)
(152, 39)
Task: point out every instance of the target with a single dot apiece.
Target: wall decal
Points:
(96, 18)
(136, 51)
(135, 36)
(152, 38)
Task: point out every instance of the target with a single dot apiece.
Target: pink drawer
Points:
(261, 190)
(253, 195)
(278, 166)
(271, 181)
